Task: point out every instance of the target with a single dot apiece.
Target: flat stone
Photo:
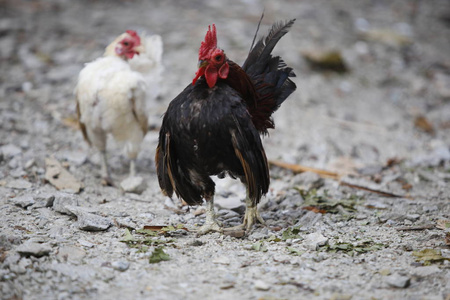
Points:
(308, 180)
(44, 200)
(398, 281)
(88, 221)
(134, 184)
(23, 201)
(19, 184)
(314, 240)
(120, 265)
(33, 249)
(426, 271)
(70, 253)
(261, 285)
(10, 150)
(62, 200)
(222, 260)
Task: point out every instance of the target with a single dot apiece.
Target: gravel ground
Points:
(384, 124)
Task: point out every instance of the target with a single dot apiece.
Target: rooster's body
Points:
(213, 127)
(112, 98)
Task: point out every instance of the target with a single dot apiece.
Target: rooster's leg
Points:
(251, 217)
(211, 223)
(106, 180)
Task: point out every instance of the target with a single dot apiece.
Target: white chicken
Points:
(112, 94)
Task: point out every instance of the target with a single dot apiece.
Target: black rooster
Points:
(213, 126)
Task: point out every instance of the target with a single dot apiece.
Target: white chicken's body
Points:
(111, 99)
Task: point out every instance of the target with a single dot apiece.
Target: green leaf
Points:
(259, 246)
(294, 251)
(428, 256)
(128, 238)
(158, 255)
(291, 233)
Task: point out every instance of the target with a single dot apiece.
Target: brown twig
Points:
(300, 169)
(332, 175)
(421, 227)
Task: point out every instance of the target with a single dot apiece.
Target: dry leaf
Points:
(59, 177)
(422, 123)
(443, 224)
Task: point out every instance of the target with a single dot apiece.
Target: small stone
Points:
(426, 271)
(398, 281)
(70, 253)
(62, 200)
(308, 181)
(120, 265)
(314, 240)
(19, 184)
(222, 260)
(134, 184)
(89, 221)
(261, 285)
(85, 243)
(33, 249)
(413, 217)
(23, 201)
(10, 150)
(44, 200)
(30, 163)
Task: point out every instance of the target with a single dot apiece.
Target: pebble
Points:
(314, 240)
(70, 253)
(120, 265)
(10, 150)
(23, 201)
(62, 200)
(44, 200)
(33, 249)
(308, 181)
(261, 285)
(398, 281)
(88, 221)
(222, 260)
(134, 184)
(426, 271)
(85, 243)
(19, 184)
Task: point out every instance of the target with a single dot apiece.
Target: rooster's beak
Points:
(202, 63)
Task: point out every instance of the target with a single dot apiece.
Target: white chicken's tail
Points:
(149, 64)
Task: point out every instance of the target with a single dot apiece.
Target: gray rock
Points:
(314, 240)
(134, 184)
(44, 200)
(23, 201)
(308, 181)
(120, 265)
(33, 249)
(426, 271)
(261, 285)
(308, 220)
(70, 254)
(62, 200)
(89, 221)
(19, 184)
(10, 150)
(398, 281)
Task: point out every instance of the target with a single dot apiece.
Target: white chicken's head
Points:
(128, 44)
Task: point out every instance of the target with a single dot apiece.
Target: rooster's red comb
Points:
(209, 43)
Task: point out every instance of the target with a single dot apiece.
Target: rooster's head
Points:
(128, 44)
(212, 61)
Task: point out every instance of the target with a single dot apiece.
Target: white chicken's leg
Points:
(211, 223)
(132, 167)
(106, 180)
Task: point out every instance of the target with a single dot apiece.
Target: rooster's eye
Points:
(126, 43)
(218, 57)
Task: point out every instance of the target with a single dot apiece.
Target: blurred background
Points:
(373, 76)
